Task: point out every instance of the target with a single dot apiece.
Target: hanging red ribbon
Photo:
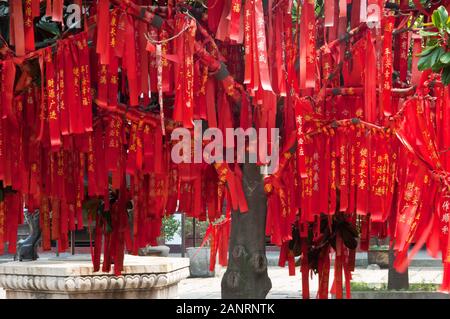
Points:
(370, 84)
(387, 66)
(307, 46)
(300, 151)
(261, 45)
(52, 94)
(17, 35)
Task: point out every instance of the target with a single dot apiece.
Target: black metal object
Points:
(27, 248)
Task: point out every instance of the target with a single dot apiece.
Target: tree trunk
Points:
(246, 275)
(396, 280)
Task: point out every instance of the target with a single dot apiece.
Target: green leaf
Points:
(424, 63)
(427, 51)
(443, 15)
(445, 58)
(436, 19)
(437, 67)
(427, 61)
(436, 55)
(446, 76)
(428, 33)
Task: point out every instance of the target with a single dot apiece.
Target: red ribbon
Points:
(159, 63)
(370, 85)
(260, 43)
(103, 22)
(85, 82)
(235, 20)
(57, 14)
(17, 35)
(387, 66)
(300, 151)
(7, 87)
(52, 94)
(29, 26)
(307, 46)
(362, 173)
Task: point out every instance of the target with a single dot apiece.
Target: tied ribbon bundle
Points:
(354, 165)
(358, 144)
(421, 216)
(33, 171)
(120, 44)
(70, 150)
(345, 180)
(184, 97)
(257, 75)
(307, 46)
(230, 15)
(366, 162)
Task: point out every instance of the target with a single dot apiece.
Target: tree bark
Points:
(246, 275)
(396, 280)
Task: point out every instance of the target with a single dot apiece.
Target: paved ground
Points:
(285, 286)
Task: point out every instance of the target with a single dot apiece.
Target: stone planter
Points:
(73, 278)
(199, 262)
(379, 257)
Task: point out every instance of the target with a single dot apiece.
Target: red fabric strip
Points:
(63, 111)
(417, 47)
(29, 26)
(7, 88)
(362, 177)
(48, 8)
(112, 83)
(102, 47)
(307, 46)
(261, 46)
(52, 94)
(370, 85)
(235, 20)
(17, 35)
(130, 62)
(57, 10)
(300, 151)
(387, 66)
(85, 81)
(248, 25)
(35, 8)
(159, 63)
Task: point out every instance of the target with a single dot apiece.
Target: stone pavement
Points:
(285, 286)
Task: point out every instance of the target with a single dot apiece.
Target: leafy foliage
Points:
(170, 226)
(436, 55)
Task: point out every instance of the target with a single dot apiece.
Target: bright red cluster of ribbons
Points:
(70, 146)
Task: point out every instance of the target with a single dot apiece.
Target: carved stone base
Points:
(142, 278)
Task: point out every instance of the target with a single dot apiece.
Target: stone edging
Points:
(92, 283)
